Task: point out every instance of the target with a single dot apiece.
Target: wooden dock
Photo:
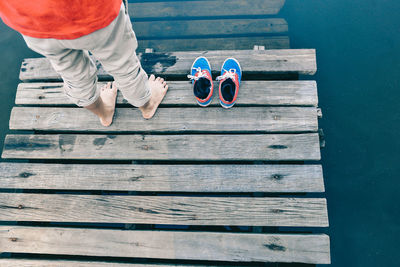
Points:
(193, 186)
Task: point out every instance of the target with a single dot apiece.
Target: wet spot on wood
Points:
(99, 141)
(66, 142)
(275, 247)
(111, 136)
(277, 146)
(41, 97)
(25, 174)
(25, 144)
(157, 62)
(13, 239)
(23, 69)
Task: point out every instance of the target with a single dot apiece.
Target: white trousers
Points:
(114, 46)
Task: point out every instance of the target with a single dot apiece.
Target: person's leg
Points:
(115, 49)
(80, 77)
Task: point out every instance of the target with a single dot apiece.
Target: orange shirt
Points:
(58, 19)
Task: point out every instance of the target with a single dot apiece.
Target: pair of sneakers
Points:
(229, 81)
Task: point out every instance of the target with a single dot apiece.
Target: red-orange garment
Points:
(58, 19)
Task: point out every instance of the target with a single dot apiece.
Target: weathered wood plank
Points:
(209, 28)
(226, 43)
(283, 93)
(167, 244)
(245, 211)
(163, 178)
(261, 62)
(13, 262)
(203, 8)
(164, 147)
(167, 120)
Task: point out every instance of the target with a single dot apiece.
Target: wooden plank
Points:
(209, 28)
(226, 43)
(167, 244)
(163, 178)
(282, 93)
(203, 8)
(12, 262)
(164, 147)
(167, 120)
(264, 62)
(244, 211)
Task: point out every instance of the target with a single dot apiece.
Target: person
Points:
(65, 31)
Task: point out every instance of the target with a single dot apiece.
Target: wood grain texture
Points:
(164, 147)
(196, 119)
(14, 262)
(204, 8)
(259, 93)
(163, 178)
(209, 28)
(167, 244)
(245, 211)
(226, 43)
(261, 62)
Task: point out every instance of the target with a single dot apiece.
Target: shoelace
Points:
(202, 73)
(228, 74)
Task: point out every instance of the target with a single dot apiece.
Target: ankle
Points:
(146, 106)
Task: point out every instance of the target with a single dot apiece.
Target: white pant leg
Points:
(116, 52)
(75, 67)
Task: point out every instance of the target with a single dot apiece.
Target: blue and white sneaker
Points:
(203, 86)
(231, 75)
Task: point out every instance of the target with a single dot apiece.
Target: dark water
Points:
(358, 75)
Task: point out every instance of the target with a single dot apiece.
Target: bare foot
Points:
(158, 89)
(108, 96)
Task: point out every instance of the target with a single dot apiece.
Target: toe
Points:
(161, 80)
(158, 78)
(164, 83)
(152, 77)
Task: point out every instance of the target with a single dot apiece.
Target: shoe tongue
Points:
(202, 88)
(228, 89)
